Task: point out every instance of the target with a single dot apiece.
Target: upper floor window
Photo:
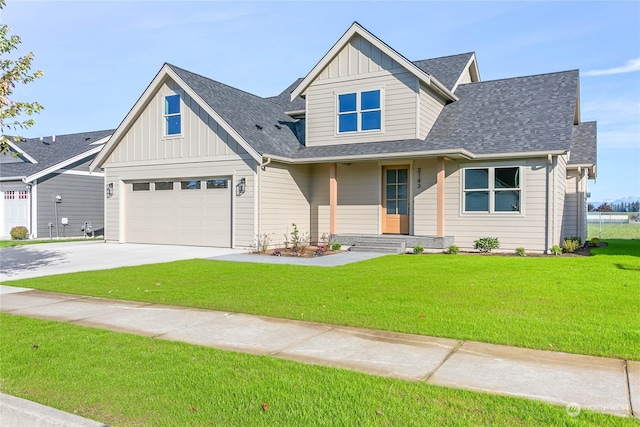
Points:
(492, 189)
(359, 111)
(172, 115)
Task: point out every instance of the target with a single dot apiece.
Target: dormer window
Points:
(359, 111)
(172, 115)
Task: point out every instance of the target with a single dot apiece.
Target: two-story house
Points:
(367, 143)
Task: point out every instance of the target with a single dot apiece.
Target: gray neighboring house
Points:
(368, 143)
(45, 168)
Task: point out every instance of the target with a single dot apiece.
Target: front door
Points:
(395, 200)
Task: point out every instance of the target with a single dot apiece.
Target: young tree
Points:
(14, 71)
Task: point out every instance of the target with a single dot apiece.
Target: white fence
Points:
(608, 217)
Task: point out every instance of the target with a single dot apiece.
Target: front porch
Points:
(390, 243)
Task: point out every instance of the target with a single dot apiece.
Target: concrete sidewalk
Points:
(579, 382)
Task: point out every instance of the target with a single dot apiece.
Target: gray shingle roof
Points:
(284, 98)
(48, 153)
(274, 132)
(446, 69)
(522, 114)
(584, 144)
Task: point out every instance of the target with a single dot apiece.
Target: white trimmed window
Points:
(359, 111)
(492, 190)
(172, 118)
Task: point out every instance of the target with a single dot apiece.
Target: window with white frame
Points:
(492, 190)
(359, 111)
(172, 116)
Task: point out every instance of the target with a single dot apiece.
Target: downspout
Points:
(264, 165)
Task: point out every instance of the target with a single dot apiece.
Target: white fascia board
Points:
(144, 99)
(12, 178)
(228, 128)
(459, 153)
(13, 145)
(62, 164)
(472, 63)
(361, 31)
(520, 155)
(129, 119)
(101, 141)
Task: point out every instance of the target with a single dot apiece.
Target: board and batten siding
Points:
(201, 135)
(526, 229)
(202, 150)
(82, 200)
(284, 200)
(360, 66)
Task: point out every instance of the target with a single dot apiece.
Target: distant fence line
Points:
(609, 217)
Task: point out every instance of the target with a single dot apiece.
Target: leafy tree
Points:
(605, 207)
(14, 71)
(591, 207)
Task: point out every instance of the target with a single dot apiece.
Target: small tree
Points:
(14, 71)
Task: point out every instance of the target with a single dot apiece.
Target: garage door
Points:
(188, 212)
(14, 208)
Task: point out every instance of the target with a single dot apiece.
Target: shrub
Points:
(277, 252)
(19, 233)
(570, 245)
(521, 252)
(454, 250)
(335, 246)
(576, 239)
(556, 250)
(487, 244)
(595, 242)
(320, 251)
(417, 249)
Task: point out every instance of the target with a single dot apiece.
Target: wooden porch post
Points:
(333, 198)
(440, 197)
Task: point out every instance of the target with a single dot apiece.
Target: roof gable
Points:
(357, 29)
(54, 153)
(449, 69)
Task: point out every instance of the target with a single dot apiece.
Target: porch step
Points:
(379, 245)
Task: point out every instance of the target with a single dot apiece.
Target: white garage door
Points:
(14, 209)
(189, 212)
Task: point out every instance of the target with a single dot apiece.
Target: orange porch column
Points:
(333, 198)
(440, 197)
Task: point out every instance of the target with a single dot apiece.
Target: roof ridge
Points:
(218, 82)
(444, 57)
(523, 77)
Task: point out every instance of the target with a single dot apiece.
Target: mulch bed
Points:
(308, 252)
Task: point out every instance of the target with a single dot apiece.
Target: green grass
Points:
(9, 243)
(128, 380)
(584, 305)
(614, 231)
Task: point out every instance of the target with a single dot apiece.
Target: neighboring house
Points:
(38, 170)
(368, 143)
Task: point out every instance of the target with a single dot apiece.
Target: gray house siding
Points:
(82, 200)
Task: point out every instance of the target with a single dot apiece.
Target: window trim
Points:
(168, 115)
(491, 189)
(358, 112)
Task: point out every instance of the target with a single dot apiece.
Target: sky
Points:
(98, 57)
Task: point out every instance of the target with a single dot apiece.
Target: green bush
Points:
(570, 245)
(454, 250)
(595, 242)
(521, 252)
(418, 249)
(19, 233)
(486, 244)
(336, 246)
(576, 239)
(556, 250)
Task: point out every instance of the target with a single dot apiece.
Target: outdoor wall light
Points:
(240, 186)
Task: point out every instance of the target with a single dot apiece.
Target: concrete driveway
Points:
(22, 262)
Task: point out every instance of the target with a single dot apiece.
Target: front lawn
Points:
(128, 380)
(585, 305)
